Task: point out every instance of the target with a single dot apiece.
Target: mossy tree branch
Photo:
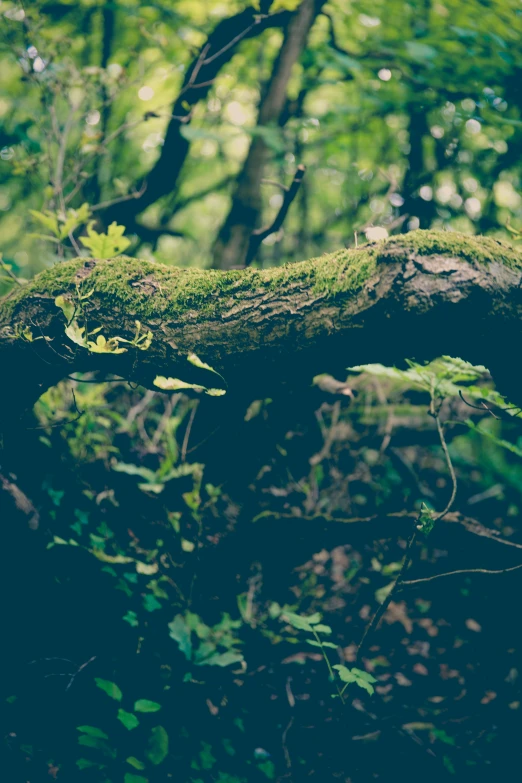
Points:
(418, 295)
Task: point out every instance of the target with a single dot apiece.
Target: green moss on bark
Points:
(473, 249)
(155, 292)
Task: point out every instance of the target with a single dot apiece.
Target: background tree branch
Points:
(233, 245)
(219, 48)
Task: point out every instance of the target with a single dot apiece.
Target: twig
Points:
(95, 380)
(484, 407)
(235, 40)
(196, 70)
(74, 243)
(397, 584)
(275, 183)
(260, 234)
(135, 194)
(188, 431)
(169, 408)
(462, 571)
(9, 272)
(198, 86)
(79, 669)
(62, 138)
(481, 407)
(333, 38)
(448, 461)
(288, 759)
(62, 422)
(389, 598)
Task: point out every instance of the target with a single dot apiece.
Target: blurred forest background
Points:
(160, 552)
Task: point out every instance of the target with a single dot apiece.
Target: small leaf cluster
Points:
(312, 624)
(80, 334)
(105, 751)
(205, 645)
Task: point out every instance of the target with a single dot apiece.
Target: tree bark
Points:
(232, 243)
(419, 295)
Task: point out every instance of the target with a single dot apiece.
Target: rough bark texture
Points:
(418, 295)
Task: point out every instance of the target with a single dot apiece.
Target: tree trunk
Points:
(232, 243)
(219, 49)
(419, 295)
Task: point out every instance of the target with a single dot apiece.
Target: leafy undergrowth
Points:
(193, 600)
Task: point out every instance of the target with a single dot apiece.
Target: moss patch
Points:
(479, 249)
(147, 290)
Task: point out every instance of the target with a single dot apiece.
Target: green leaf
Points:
(175, 384)
(190, 133)
(221, 659)
(156, 489)
(110, 688)
(426, 521)
(505, 444)
(147, 568)
(383, 592)
(74, 219)
(344, 673)
(76, 333)
(134, 470)
(322, 629)
(271, 135)
(443, 736)
(197, 362)
(66, 306)
(284, 5)
(134, 762)
(46, 219)
(130, 777)
(88, 764)
(102, 345)
(362, 675)
(268, 769)
(206, 757)
(323, 644)
(129, 719)
(105, 558)
(131, 618)
(92, 731)
(158, 746)
(300, 622)
(180, 632)
(151, 603)
(144, 705)
(106, 245)
(357, 676)
(35, 235)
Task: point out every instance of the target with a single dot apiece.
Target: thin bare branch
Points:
(449, 463)
(135, 194)
(461, 571)
(260, 234)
